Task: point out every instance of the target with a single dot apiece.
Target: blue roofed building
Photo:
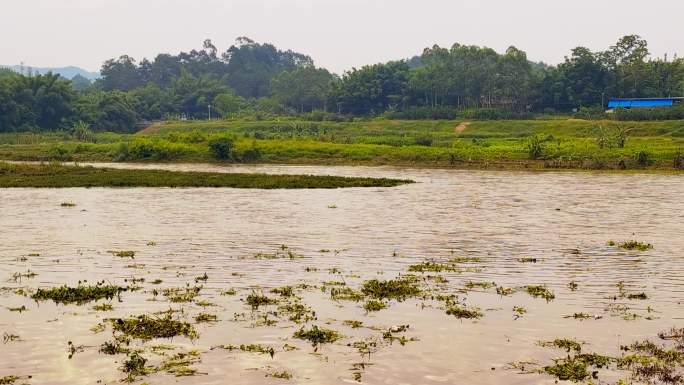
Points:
(644, 103)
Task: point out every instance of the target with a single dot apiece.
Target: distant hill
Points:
(67, 72)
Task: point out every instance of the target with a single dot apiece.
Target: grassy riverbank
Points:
(552, 143)
(58, 176)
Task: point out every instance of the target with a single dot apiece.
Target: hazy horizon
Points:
(337, 34)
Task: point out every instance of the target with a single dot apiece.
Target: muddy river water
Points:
(513, 229)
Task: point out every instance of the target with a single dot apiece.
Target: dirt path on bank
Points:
(152, 128)
(461, 127)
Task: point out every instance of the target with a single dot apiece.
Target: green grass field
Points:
(559, 143)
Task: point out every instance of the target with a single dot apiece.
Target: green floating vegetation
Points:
(563, 343)
(255, 300)
(103, 307)
(54, 175)
(399, 289)
(179, 364)
(9, 380)
(205, 317)
(463, 313)
(354, 324)
(124, 253)
(135, 366)
(318, 336)
(537, 291)
(182, 294)
(285, 291)
(297, 312)
(283, 375)
(582, 316)
(649, 362)
(637, 296)
(345, 294)
(146, 327)
(505, 291)
(480, 285)
(391, 337)
(568, 369)
(251, 348)
(633, 245)
(465, 260)
(374, 305)
(79, 295)
(432, 267)
(228, 292)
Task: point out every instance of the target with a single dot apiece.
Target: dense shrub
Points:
(221, 148)
(147, 150)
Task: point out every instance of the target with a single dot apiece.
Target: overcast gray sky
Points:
(338, 34)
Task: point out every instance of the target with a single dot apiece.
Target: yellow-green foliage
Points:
(563, 143)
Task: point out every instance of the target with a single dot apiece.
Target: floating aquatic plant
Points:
(461, 312)
(135, 366)
(540, 291)
(179, 364)
(80, 294)
(205, 317)
(431, 267)
(124, 253)
(465, 260)
(255, 300)
(505, 291)
(318, 336)
(182, 294)
(9, 380)
(481, 285)
(285, 291)
(354, 324)
(283, 375)
(400, 288)
(635, 245)
(250, 348)
(146, 327)
(103, 307)
(345, 294)
(563, 343)
(568, 369)
(374, 305)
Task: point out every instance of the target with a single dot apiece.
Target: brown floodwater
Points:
(563, 219)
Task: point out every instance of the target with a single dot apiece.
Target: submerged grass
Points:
(58, 176)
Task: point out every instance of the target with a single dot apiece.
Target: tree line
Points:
(252, 78)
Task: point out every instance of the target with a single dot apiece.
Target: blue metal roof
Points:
(641, 103)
